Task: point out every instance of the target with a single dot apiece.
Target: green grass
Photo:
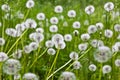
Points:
(46, 64)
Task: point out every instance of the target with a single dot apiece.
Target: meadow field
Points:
(59, 39)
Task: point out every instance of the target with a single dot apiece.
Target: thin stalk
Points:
(59, 69)
(79, 58)
(54, 62)
(39, 57)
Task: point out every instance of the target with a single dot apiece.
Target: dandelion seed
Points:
(3, 56)
(30, 23)
(57, 38)
(58, 9)
(60, 45)
(108, 33)
(82, 46)
(102, 54)
(77, 65)
(49, 43)
(51, 51)
(11, 66)
(11, 32)
(5, 7)
(67, 37)
(106, 69)
(40, 30)
(2, 41)
(76, 32)
(85, 37)
(117, 62)
(40, 16)
(92, 29)
(109, 6)
(71, 13)
(116, 47)
(20, 15)
(73, 55)
(27, 49)
(37, 37)
(53, 28)
(20, 27)
(17, 54)
(99, 26)
(92, 67)
(17, 76)
(96, 43)
(33, 46)
(30, 76)
(89, 9)
(117, 27)
(54, 20)
(76, 24)
(67, 76)
(30, 4)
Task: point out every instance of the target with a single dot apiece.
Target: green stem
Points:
(17, 41)
(59, 69)
(53, 62)
(79, 58)
(100, 75)
(39, 57)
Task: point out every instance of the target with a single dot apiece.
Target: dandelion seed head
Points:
(99, 26)
(82, 46)
(109, 6)
(49, 43)
(92, 67)
(3, 56)
(33, 46)
(58, 9)
(30, 76)
(30, 4)
(108, 33)
(17, 54)
(30, 23)
(106, 69)
(5, 7)
(68, 37)
(53, 28)
(67, 76)
(85, 37)
(51, 51)
(89, 9)
(77, 65)
(73, 55)
(11, 66)
(76, 25)
(40, 30)
(2, 41)
(92, 29)
(102, 54)
(40, 16)
(117, 62)
(117, 27)
(71, 13)
(54, 20)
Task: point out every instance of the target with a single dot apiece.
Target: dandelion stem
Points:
(59, 69)
(53, 62)
(100, 75)
(39, 57)
(79, 57)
